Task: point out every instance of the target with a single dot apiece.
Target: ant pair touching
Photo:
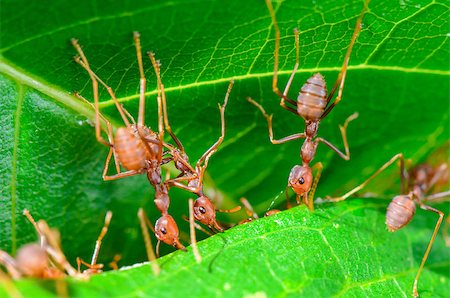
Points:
(140, 150)
(46, 259)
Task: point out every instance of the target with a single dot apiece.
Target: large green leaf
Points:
(51, 163)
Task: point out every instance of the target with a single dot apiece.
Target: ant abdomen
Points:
(400, 212)
(32, 260)
(311, 101)
(130, 149)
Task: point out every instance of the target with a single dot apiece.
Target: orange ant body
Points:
(44, 260)
(136, 147)
(312, 104)
(402, 208)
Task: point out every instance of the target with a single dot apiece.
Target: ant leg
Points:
(441, 171)
(82, 60)
(98, 243)
(174, 182)
(276, 62)
(10, 264)
(198, 227)
(362, 185)
(341, 77)
(100, 139)
(157, 66)
(343, 129)
(205, 157)
(248, 208)
(30, 218)
(144, 222)
(142, 80)
(113, 264)
(160, 87)
(52, 246)
(120, 175)
(269, 124)
(310, 202)
(430, 244)
(197, 256)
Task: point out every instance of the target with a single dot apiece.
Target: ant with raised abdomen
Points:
(421, 179)
(312, 105)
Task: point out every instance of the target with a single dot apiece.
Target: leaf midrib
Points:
(19, 75)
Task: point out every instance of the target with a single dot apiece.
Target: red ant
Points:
(136, 147)
(402, 208)
(44, 260)
(312, 105)
(204, 210)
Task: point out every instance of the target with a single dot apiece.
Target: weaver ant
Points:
(93, 267)
(402, 208)
(204, 210)
(136, 147)
(39, 260)
(312, 105)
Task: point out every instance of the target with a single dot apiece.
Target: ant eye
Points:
(301, 180)
(202, 210)
(164, 231)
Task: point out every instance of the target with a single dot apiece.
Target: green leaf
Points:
(51, 163)
(340, 250)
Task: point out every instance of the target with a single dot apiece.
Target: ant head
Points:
(32, 260)
(300, 179)
(205, 212)
(166, 230)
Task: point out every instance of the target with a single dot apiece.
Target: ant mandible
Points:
(312, 105)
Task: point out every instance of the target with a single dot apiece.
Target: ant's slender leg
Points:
(425, 256)
(248, 208)
(362, 185)
(98, 243)
(120, 175)
(109, 132)
(269, 124)
(440, 172)
(84, 63)
(10, 264)
(113, 264)
(310, 202)
(52, 245)
(343, 129)
(297, 63)
(143, 220)
(142, 80)
(198, 227)
(341, 77)
(205, 157)
(197, 256)
(276, 62)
